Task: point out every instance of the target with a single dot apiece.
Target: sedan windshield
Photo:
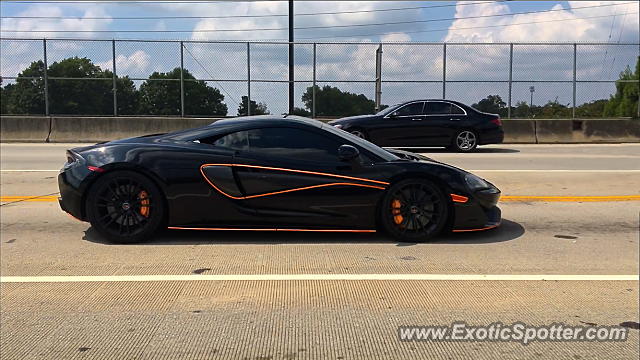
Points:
(387, 110)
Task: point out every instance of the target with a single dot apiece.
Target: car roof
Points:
(270, 120)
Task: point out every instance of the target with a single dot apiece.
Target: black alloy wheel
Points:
(125, 207)
(414, 210)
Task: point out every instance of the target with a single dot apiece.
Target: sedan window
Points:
(411, 109)
(438, 108)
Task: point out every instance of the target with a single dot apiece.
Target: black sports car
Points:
(269, 173)
(422, 123)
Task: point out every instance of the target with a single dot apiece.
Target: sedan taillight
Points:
(497, 121)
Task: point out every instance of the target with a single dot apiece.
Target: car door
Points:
(293, 177)
(442, 120)
(402, 127)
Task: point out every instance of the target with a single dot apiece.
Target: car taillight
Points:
(497, 121)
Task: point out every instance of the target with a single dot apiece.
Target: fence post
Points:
(115, 77)
(575, 53)
(46, 78)
(444, 70)
(248, 79)
(313, 88)
(378, 77)
(510, 79)
(181, 79)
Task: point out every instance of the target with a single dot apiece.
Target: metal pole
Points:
(291, 75)
(313, 89)
(378, 77)
(46, 78)
(575, 53)
(115, 86)
(510, 79)
(248, 79)
(181, 79)
(444, 70)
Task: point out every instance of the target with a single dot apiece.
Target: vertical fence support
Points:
(115, 77)
(181, 79)
(575, 70)
(313, 88)
(248, 79)
(444, 70)
(46, 77)
(378, 77)
(510, 80)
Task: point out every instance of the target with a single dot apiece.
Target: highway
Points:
(567, 252)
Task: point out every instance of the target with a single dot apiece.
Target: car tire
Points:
(359, 133)
(125, 207)
(414, 210)
(465, 140)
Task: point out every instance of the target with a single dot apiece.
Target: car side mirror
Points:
(394, 114)
(347, 152)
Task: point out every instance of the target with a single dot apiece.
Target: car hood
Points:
(351, 119)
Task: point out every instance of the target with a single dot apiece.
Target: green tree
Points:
(74, 97)
(625, 100)
(158, 97)
(331, 101)
(256, 108)
(300, 112)
(593, 109)
(555, 110)
(492, 104)
(26, 95)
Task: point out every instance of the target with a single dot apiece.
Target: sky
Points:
(427, 21)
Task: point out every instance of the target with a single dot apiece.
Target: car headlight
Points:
(476, 182)
(338, 126)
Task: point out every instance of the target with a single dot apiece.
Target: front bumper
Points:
(480, 212)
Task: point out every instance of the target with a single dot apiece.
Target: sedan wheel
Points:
(359, 134)
(125, 207)
(466, 141)
(414, 210)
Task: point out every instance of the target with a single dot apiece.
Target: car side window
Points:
(411, 109)
(456, 110)
(237, 141)
(438, 108)
(294, 144)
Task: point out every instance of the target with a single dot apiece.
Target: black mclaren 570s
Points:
(269, 173)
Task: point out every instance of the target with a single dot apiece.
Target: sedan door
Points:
(442, 121)
(401, 128)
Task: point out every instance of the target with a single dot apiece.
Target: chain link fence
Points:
(202, 78)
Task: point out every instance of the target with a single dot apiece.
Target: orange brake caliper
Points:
(395, 210)
(144, 203)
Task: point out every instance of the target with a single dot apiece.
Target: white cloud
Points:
(137, 62)
(566, 25)
(24, 26)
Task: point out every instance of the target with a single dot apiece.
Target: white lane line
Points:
(289, 277)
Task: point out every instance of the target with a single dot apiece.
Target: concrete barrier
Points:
(95, 129)
(24, 128)
(519, 131)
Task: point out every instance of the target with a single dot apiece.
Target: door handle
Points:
(455, 119)
(416, 119)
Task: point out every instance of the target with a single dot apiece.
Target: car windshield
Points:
(387, 110)
(375, 149)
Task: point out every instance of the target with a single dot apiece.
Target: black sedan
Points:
(422, 123)
(269, 173)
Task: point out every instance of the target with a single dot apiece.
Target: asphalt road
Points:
(570, 258)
